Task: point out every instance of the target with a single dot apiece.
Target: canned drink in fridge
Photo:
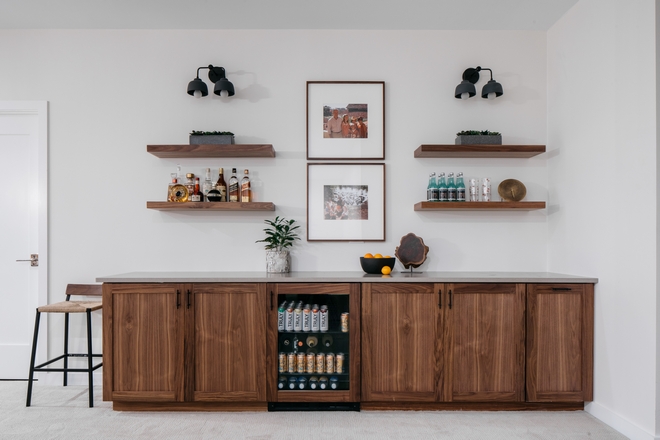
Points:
(344, 322)
(291, 362)
(334, 382)
(300, 362)
(283, 363)
(280, 316)
(339, 363)
(281, 382)
(293, 381)
(302, 383)
(313, 383)
(307, 318)
(320, 363)
(329, 363)
(316, 326)
(288, 318)
(311, 363)
(297, 318)
(324, 318)
(323, 383)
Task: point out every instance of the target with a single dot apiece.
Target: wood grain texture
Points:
(485, 343)
(108, 358)
(189, 406)
(489, 151)
(212, 150)
(400, 342)
(559, 342)
(479, 206)
(230, 342)
(314, 396)
(147, 345)
(212, 206)
(471, 406)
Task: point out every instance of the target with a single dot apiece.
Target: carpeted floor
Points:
(62, 413)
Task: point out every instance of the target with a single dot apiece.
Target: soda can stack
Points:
(307, 318)
(288, 317)
(324, 318)
(283, 368)
(291, 362)
(311, 363)
(300, 362)
(339, 363)
(297, 317)
(316, 318)
(330, 363)
(485, 189)
(474, 190)
(344, 322)
(320, 363)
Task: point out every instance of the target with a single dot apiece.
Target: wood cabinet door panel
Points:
(401, 342)
(147, 346)
(559, 342)
(229, 342)
(484, 343)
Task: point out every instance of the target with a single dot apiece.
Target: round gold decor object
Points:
(178, 193)
(512, 190)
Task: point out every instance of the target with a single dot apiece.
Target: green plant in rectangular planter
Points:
(211, 137)
(476, 137)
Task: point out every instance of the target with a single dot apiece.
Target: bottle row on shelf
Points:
(314, 383)
(209, 191)
(439, 190)
(312, 363)
(307, 318)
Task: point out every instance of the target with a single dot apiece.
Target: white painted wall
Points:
(602, 166)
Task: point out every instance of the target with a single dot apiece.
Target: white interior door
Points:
(23, 229)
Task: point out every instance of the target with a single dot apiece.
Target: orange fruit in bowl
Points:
(387, 256)
(378, 256)
(368, 255)
(386, 270)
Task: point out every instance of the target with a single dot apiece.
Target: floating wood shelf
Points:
(489, 151)
(212, 150)
(478, 206)
(212, 206)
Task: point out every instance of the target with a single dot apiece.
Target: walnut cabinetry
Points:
(192, 344)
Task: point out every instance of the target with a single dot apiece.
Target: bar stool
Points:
(68, 307)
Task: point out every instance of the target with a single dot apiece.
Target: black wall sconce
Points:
(197, 87)
(466, 88)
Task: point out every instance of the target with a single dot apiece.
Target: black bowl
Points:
(374, 265)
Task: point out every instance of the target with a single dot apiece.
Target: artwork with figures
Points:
(346, 202)
(345, 121)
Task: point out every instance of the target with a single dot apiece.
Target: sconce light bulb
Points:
(197, 93)
(465, 95)
(492, 95)
(224, 93)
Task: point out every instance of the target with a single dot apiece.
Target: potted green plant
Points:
(279, 237)
(476, 137)
(211, 137)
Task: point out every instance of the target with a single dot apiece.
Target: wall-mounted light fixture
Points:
(197, 87)
(466, 88)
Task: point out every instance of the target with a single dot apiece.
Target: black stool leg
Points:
(90, 358)
(32, 358)
(66, 349)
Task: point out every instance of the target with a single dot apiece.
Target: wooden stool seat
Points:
(67, 307)
(71, 307)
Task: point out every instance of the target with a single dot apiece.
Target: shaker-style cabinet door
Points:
(485, 343)
(401, 342)
(560, 319)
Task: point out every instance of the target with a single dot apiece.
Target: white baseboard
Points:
(624, 426)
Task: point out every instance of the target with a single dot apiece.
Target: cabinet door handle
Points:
(188, 298)
(271, 300)
(440, 298)
(178, 299)
(450, 299)
(556, 289)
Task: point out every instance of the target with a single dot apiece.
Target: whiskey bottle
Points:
(221, 186)
(208, 183)
(246, 192)
(190, 186)
(233, 187)
(197, 194)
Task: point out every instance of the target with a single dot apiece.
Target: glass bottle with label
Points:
(432, 191)
(190, 186)
(174, 181)
(442, 188)
(208, 184)
(460, 187)
(451, 188)
(233, 187)
(246, 192)
(197, 194)
(221, 186)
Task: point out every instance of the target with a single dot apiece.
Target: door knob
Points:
(34, 260)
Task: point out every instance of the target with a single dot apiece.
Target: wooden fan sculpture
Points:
(412, 251)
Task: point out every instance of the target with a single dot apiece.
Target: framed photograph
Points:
(345, 120)
(345, 202)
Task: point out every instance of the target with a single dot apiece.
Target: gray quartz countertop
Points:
(345, 277)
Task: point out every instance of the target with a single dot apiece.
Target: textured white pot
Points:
(278, 262)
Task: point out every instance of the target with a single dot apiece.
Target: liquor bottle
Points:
(190, 186)
(197, 195)
(221, 186)
(442, 188)
(246, 192)
(451, 188)
(460, 187)
(432, 189)
(312, 341)
(327, 340)
(174, 181)
(208, 184)
(233, 187)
